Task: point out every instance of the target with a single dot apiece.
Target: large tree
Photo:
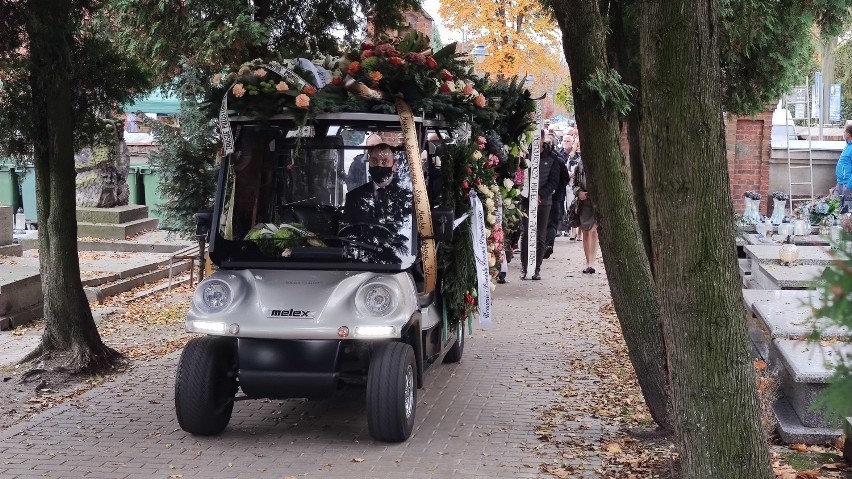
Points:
(58, 74)
(694, 279)
(520, 35)
(714, 398)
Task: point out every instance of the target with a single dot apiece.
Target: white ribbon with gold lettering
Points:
(532, 182)
(480, 256)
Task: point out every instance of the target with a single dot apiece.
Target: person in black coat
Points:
(375, 212)
(557, 210)
(548, 180)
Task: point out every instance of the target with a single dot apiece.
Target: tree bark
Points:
(69, 326)
(628, 270)
(714, 398)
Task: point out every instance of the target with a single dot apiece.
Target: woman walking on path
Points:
(587, 219)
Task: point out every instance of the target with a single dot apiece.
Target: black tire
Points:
(391, 392)
(205, 385)
(454, 355)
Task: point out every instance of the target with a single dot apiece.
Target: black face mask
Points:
(380, 174)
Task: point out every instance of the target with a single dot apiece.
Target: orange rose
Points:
(376, 76)
(354, 67)
(336, 80)
(309, 90)
(281, 86)
(302, 101)
(479, 101)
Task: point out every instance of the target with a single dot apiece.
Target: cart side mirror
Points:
(442, 224)
(203, 222)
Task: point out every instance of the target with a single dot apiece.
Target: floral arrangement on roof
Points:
(365, 79)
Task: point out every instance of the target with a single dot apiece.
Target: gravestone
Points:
(7, 248)
(102, 169)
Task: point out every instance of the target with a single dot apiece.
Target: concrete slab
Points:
(11, 250)
(794, 319)
(810, 362)
(793, 296)
(776, 276)
(114, 215)
(806, 240)
(116, 231)
(768, 254)
(158, 241)
(792, 431)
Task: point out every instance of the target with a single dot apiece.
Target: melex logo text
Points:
(290, 313)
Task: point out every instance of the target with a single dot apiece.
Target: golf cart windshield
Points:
(291, 200)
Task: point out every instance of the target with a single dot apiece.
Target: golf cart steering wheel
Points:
(361, 225)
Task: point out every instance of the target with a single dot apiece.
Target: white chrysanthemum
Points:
(508, 183)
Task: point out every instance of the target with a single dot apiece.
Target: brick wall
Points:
(748, 149)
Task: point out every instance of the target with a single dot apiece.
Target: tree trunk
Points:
(69, 327)
(712, 379)
(627, 267)
(624, 42)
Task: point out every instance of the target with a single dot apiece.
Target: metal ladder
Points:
(807, 169)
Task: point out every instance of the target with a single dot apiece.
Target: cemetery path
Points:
(527, 400)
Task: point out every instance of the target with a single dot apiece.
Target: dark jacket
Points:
(549, 174)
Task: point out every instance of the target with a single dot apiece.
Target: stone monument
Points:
(102, 169)
(7, 248)
(102, 190)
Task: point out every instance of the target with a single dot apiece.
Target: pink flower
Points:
(444, 88)
(396, 61)
(366, 54)
(239, 90)
(468, 89)
(281, 86)
(479, 101)
(446, 75)
(519, 177)
(302, 101)
(482, 141)
(260, 73)
(493, 160)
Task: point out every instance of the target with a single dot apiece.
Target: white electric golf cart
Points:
(305, 300)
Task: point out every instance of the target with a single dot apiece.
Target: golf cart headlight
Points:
(214, 296)
(377, 299)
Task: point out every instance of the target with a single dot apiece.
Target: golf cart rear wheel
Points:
(392, 392)
(205, 385)
(454, 355)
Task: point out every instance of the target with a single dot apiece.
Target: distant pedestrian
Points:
(843, 170)
(587, 219)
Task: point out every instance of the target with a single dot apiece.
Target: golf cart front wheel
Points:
(205, 385)
(392, 392)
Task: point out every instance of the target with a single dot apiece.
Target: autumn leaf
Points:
(612, 448)
(799, 447)
(357, 460)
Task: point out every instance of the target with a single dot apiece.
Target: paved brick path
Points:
(476, 419)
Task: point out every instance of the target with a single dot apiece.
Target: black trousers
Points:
(557, 213)
(541, 235)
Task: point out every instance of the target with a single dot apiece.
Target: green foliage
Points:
(102, 77)
(843, 76)
(767, 47)
(211, 33)
(611, 92)
(564, 97)
(835, 287)
(185, 158)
